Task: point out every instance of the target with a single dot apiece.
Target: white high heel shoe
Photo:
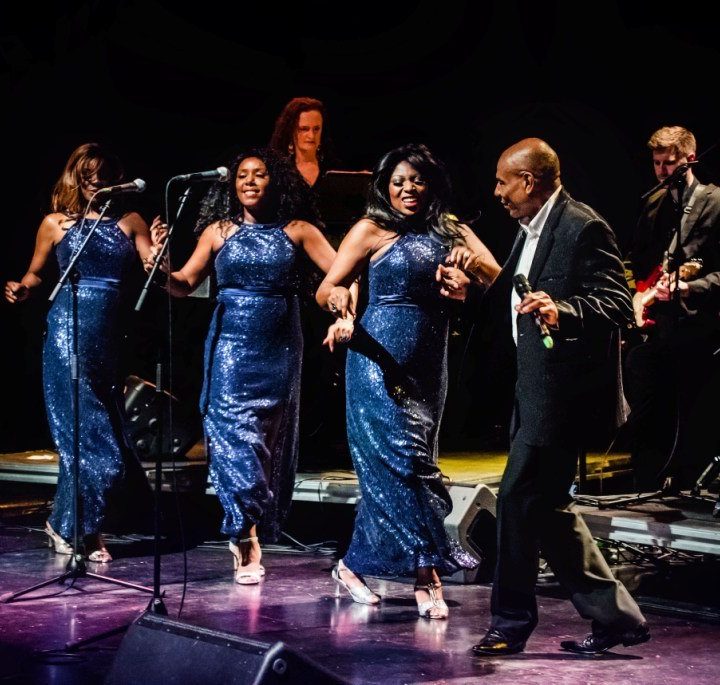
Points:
(243, 574)
(360, 594)
(435, 607)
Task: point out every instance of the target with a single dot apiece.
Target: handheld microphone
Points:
(220, 174)
(136, 186)
(522, 288)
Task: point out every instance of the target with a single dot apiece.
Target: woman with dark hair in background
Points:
(253, 233)
(298, 134)
(102, 268)
(397, 375)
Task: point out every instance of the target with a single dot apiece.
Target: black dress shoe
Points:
(496, 644)
(600, 642)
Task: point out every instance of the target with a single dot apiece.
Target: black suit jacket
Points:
(699, 238)
(559, 392)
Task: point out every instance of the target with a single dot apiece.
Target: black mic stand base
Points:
(76, 568)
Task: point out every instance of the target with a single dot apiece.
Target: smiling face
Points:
(308, 132)
(251, 183)
(408, 190)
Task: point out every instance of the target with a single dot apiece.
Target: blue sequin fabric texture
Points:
(253, 359)
(102, 267)
(396, 384)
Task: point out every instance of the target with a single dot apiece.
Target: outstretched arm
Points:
(183, 281)
(352, 256)
(48, 235)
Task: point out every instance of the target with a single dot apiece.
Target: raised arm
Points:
(49, 234)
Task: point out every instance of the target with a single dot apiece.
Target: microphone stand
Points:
(157, 606)
(76, 566)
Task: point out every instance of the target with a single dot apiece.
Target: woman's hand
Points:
(480, 265)
(340, 332)
(149, 261)
(158, 235)
(158, 231)
(16, 292)
(453, 282)
(340, 303)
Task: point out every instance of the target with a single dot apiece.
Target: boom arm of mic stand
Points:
(163, 250)
(670, 180)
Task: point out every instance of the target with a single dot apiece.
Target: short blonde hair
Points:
(673, 138)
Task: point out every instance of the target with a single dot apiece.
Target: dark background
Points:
(173, 90)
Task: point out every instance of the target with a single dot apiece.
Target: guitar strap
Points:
(699, 187)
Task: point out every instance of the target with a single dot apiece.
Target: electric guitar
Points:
(646, 290)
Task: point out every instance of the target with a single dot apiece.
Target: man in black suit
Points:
(569, 255)
(669, 379)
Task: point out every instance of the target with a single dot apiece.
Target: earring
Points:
(291, 149)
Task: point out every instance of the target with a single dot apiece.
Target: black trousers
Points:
(670, 383)
(535, 515)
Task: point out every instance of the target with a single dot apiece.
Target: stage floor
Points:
(296, 604)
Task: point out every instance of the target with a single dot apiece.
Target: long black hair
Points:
(435, 217)
(288, 194)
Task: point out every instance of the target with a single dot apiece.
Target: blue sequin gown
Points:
(396, 383)
(250, 399)
(102, 267)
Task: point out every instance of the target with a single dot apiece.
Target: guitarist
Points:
(669, 376)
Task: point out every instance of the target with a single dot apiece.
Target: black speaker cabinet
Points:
(141, 421)
(160, 651)
(472, 523)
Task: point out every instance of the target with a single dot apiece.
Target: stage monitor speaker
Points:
(160, 651)
(472, 523)
(141, 417)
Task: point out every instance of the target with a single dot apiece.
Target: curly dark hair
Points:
(436, 217)
(289, 195)
(286, 123)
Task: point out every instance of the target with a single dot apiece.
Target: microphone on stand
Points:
(136, 186)
(220, 174)
(522, 288)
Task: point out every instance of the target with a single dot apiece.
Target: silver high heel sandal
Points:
(361, 595)
(99, 555)
(55, 542)
(435, 608)
(243, 575)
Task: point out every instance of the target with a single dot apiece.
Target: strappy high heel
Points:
(360, 594)
(243, 574)
(436, 607)
(99, 555)
(56, 542)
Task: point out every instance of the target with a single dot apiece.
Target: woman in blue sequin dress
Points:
(102, 268)
(397, 376)
(253, 350)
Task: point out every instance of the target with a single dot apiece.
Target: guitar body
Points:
(646, 290)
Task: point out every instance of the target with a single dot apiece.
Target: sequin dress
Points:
(250, 399)
(102, 267)
(396, 377)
